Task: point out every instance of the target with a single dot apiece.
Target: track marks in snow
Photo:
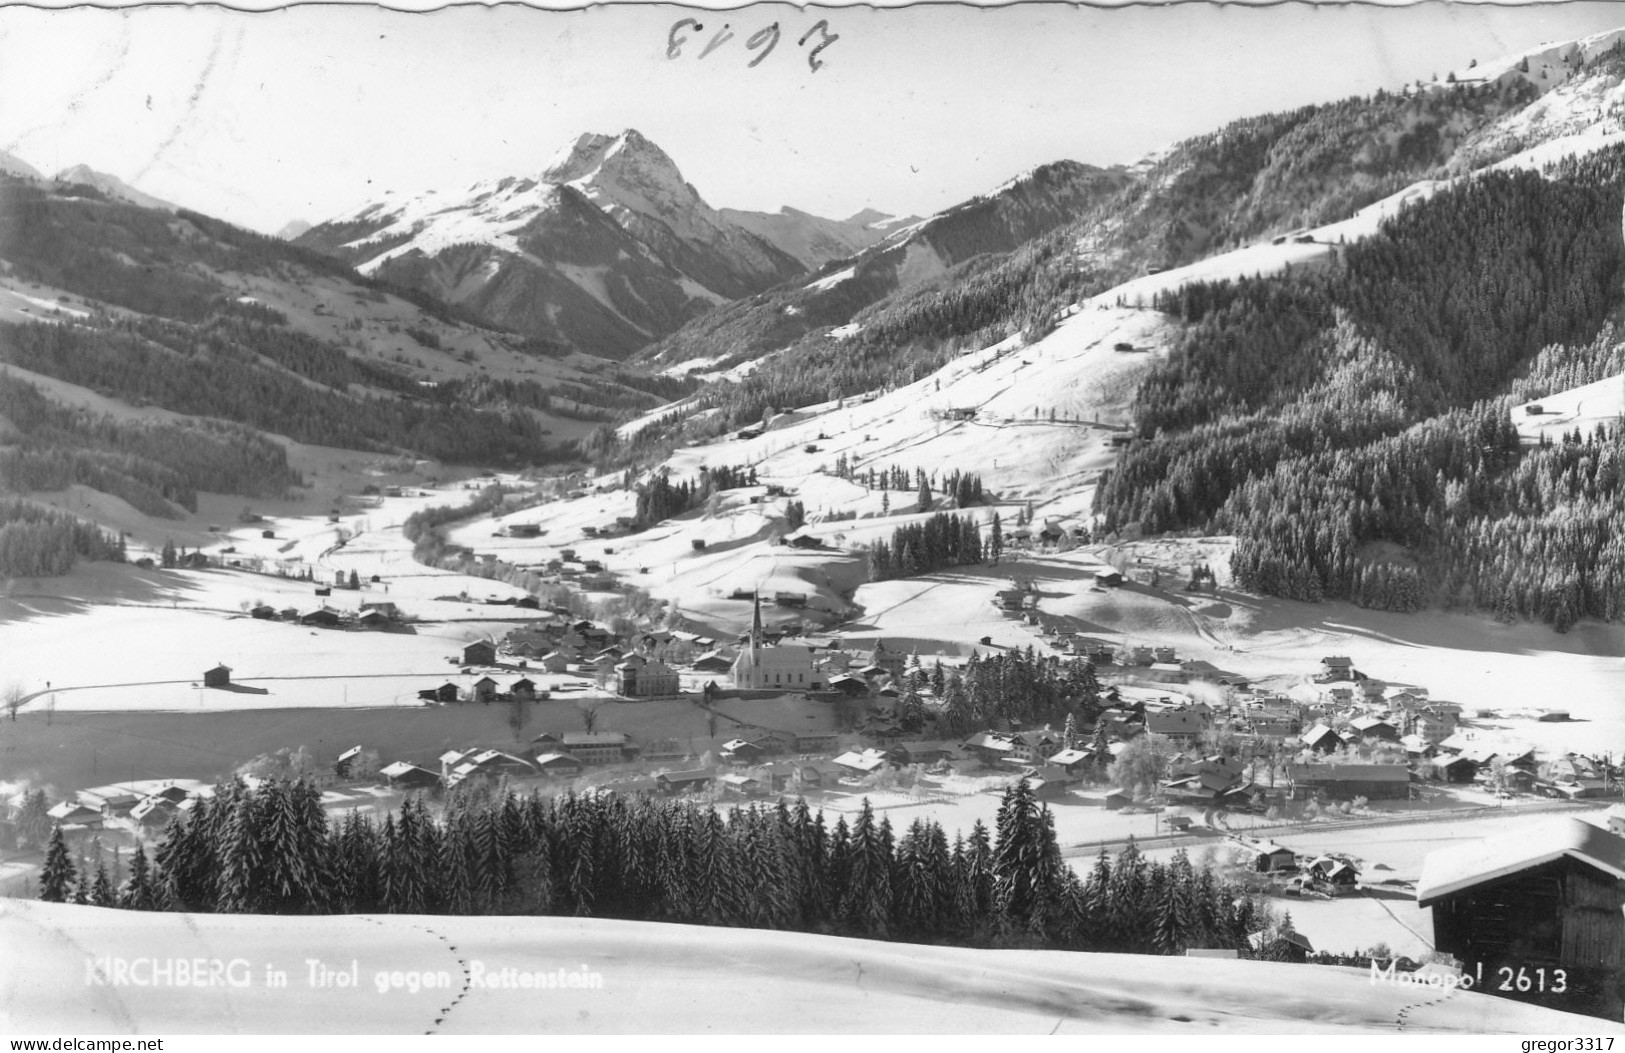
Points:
(462, 965)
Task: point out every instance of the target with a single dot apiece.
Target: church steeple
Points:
(756, 621)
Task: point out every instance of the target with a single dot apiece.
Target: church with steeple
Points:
(784, 667)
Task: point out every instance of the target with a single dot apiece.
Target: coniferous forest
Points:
(1352, 426)
(273, 850)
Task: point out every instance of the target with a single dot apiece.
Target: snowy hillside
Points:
(400, 974)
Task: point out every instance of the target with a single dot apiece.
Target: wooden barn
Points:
(219, 676)
(1531, 901)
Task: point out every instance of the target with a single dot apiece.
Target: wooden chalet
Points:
(480, 652)
(1543, 898)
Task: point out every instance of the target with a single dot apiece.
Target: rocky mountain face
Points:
(605, 250)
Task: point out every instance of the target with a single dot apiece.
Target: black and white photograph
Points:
(797, 520)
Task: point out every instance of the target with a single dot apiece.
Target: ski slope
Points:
(462, 975)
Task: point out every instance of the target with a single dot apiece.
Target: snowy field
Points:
(471, 975)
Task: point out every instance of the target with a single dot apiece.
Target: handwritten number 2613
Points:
(763, 41)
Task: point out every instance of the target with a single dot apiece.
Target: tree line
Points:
(273, 850)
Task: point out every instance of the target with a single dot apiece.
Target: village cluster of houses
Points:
(139, 809)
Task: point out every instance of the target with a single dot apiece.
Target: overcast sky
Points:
(305, 113)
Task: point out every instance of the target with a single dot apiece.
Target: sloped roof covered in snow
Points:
(1461, 867)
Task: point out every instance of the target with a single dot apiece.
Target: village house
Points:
(75, 813)
(890, 662)
(1072, 761)
(860, 764)
(646, 679)
(991, 748)
(1181, 725)
(404, 776)
(556, 765)
(739, 784)
(819, 775)
(1030, 747)
(1454, 768)
(322, 618)
(817, 741)
(1336, 667)
(739, 751)
(1433, 727)
(1322, 739)
(480, 652)
(713, 662)
(680, 782)
(1543, 898)
(1373, 729)
(485, 689)
(345, 761)
(1575, 776)
(523, 690)
(1267, 856)
(594, 747)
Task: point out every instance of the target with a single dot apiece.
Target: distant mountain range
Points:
(605, 250)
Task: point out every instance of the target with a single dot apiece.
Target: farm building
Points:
(219, 676)
(480, 652)
(1543, 898)
(1372, 781)
(1337, 667)
(1109, 577)
(485, 689)
(322, 617)
(523, 689)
